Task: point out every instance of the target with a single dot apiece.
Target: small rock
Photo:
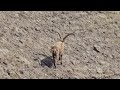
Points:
(101, 62)
(37, 29)
(1, 35)
(21, 72)
(8, 72)
(104, 63)
(57, 74)
(99, 71)
(85, 68)
(35, 59)
(74, 77)
(20, 41)
(4, 63)
(96, 48)
(26, 11)
(16, 15)
(72, 62)
(45, 74)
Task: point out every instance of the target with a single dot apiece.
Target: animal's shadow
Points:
(47, 61)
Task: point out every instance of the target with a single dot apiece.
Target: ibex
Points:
(57, 49)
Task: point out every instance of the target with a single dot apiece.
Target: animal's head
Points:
(53, 48)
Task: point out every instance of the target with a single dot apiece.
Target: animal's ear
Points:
(50, 48)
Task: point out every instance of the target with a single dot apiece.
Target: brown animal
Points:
(57, 49)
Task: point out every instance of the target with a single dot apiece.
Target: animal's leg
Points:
(54, 61)
(61, 58)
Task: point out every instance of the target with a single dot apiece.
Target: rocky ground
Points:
(26, 36)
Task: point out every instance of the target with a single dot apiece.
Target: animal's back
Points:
(60, 45)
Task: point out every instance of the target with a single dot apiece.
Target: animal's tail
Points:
(67, 36)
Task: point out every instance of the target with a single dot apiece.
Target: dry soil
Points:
(26, 36)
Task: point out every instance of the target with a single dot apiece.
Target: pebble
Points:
(99, 71)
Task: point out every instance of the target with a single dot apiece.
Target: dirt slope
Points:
(25, 38)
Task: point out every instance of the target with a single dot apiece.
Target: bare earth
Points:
(26, 36)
